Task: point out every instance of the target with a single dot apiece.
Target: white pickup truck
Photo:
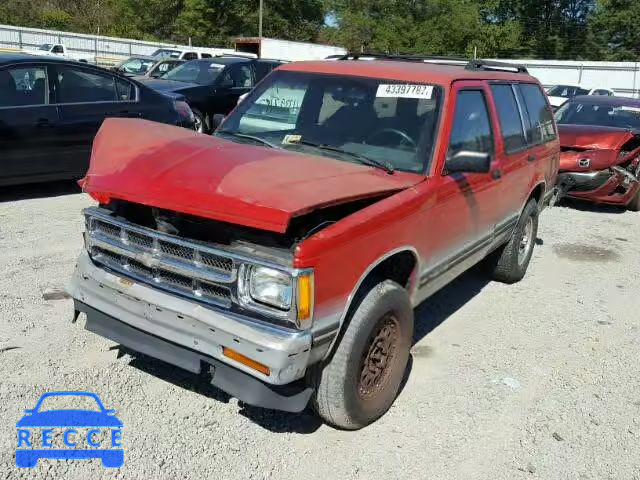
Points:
(59, 50)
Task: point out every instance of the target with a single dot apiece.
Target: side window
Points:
(77, 85)
(206, 55)
(57, 49)
(471, 129)
(126, 91)
(24, 86)
(603, 93)
(541, 128)
(241, 75)
(190, 56)
(509, 117)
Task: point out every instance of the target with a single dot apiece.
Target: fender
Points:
(413, 286)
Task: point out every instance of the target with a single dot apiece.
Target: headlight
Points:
(271, 287)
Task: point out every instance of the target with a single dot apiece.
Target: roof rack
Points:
(402, 57)
(500, 66)
(486, 65)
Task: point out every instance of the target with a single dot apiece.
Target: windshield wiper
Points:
(262, 141)
(358, 156)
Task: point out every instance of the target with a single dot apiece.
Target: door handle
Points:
(496, 174)
(531, 158)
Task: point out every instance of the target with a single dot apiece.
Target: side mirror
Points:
(468, 162)
(216, 121)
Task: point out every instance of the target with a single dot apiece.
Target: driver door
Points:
(465, 210)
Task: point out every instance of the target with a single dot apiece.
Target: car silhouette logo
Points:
(29, 451)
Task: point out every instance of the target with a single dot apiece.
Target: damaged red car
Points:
(282, 257)
(600, 150)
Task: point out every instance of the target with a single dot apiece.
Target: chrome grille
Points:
(186, 267)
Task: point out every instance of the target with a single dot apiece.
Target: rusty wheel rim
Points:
(379, 357)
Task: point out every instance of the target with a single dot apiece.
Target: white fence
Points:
(105, 49)
(623, 77)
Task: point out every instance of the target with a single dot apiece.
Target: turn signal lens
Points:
(305, 296)
(252, 364)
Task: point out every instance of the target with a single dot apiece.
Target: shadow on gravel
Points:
(38, 190)
(272, 420)
(586, 206)
(439, 307)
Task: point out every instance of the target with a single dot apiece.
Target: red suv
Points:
(284, 255)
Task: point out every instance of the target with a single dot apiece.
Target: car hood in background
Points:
(557, 101)
(594, 136)
(176, 169)
(166, 85)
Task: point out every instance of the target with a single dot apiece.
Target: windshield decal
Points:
(405, 91)
(216, 65)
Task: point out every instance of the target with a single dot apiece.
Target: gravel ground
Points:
(535, 380)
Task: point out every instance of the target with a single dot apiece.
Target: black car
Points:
(213, 85)
(141, 66)
(51, 109)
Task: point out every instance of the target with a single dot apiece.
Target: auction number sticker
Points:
(398, 90)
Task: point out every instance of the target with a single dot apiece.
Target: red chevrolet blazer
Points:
(283, 256)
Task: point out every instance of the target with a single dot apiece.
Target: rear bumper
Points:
(613, 186)
(292, 398)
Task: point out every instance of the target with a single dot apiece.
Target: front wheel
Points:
(509, 263)
(362, 379)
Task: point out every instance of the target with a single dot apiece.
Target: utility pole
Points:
(260, 19)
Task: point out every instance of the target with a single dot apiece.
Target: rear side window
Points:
(509, 117)
(541, 129)
(77, 85)
(190, 56)
(206, 55)
(23, 86)
(471, 125)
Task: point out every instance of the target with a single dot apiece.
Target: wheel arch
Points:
(401, 265)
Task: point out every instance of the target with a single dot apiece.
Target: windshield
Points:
(621, 116)
(137, 66)
(366, 118)
(45, 46)
(201, 72)
(567, 91)
(166, 52)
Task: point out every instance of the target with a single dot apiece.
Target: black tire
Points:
(634, 204)
(347, 394)
(509, 263)
(202, 125)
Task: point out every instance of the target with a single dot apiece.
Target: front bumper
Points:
(190, 325)
(613, 186)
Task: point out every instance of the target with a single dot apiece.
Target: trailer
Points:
(286, 49)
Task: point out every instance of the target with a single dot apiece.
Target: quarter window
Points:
(541, 129)
(471, 125)
(509, 117)
(23, 86)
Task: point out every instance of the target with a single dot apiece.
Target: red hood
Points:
(175, 169)
(593, 137)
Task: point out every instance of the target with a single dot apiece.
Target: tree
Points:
(615, 26)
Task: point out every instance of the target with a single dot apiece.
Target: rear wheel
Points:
(362, 379)
(634, 204)
(509, 263)
(200, 121)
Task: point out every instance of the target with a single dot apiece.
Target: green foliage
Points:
(563, 29)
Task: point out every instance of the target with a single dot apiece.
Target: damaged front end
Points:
(606, 173)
